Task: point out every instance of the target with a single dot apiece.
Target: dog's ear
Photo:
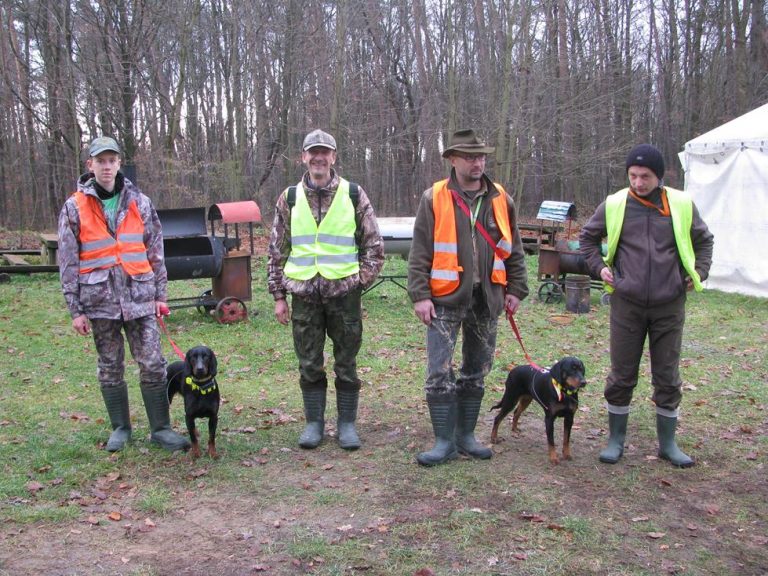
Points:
(213, 364)
(557, 371)
(188, 360)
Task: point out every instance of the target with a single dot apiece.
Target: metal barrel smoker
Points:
(190, 253)
(397, 234)
(562, 257)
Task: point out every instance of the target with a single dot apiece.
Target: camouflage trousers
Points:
(143, 338)
(339, 318)
(478, 330)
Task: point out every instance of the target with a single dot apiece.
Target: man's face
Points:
(642, 180)
(319, 161)
(104, 168)
(469, 167)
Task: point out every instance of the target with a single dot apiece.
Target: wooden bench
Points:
(50, 247)
(15, 260)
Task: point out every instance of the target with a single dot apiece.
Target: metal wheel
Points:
(605, 299)
(550, 292)
(205, 302)
(231, 310)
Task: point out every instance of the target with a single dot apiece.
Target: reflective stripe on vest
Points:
(328, 249)
(444, 277)
(681, 212)
(99, 250)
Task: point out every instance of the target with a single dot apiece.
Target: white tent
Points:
(726, 172)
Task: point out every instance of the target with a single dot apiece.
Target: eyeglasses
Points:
(471, 158)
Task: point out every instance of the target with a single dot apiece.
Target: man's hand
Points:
(511, 303)
(161, 309)
(81, 325)
(424, 310)
(282, 311)
(607, 275)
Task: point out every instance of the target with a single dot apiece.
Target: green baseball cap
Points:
(103, 144)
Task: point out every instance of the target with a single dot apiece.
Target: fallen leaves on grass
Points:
(531, 517)
(560, 319)
(34, 487)
(656, 535)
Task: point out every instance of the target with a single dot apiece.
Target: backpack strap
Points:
(354, 194)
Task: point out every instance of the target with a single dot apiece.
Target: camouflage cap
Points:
(319, 138)
(103, 144)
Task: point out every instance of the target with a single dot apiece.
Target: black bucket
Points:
(577, 294)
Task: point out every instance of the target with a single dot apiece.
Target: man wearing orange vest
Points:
(113, 278)
(466, 266)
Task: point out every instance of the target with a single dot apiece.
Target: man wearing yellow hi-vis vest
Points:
(659, 248)
(324, 250)
(466, 266)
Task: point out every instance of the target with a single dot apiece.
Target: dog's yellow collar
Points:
(209, 384)
(559, 390)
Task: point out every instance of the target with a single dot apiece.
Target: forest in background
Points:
(212, 98)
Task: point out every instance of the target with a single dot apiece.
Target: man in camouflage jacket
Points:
(325, 301)
(109, 295)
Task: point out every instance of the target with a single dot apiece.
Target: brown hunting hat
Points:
(467, 141)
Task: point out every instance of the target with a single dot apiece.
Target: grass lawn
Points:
(268, 507)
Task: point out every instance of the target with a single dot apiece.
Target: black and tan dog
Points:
(195, 379)
(556, 390)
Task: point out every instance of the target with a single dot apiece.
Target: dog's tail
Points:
(496, 406)
(173, 389)
(174, 385)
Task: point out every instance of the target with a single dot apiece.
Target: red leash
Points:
(519, 339)
(484, 233)
(165, 311)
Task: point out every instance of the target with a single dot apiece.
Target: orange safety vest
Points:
(99, 249)
(444, 278)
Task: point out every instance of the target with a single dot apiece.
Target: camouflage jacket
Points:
(368, 239)
(111, 293)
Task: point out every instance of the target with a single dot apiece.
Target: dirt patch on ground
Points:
(377, 503)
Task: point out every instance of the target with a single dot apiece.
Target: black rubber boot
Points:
(442, 411)
(116, 401)
(346, 404)
(668, 450)
(468, 409)
(617, 428)
(155, 395)
(314, 412)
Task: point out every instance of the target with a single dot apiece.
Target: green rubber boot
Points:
(155, 395)
(346, 403)
(668, 450)
(314, 412)
(468, 409)
(617, 428)
(116, 401)
(442, 411)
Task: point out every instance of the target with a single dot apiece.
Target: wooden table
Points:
(50, 245)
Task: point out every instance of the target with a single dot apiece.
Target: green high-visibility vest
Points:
(681, 211)
(328, 249)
